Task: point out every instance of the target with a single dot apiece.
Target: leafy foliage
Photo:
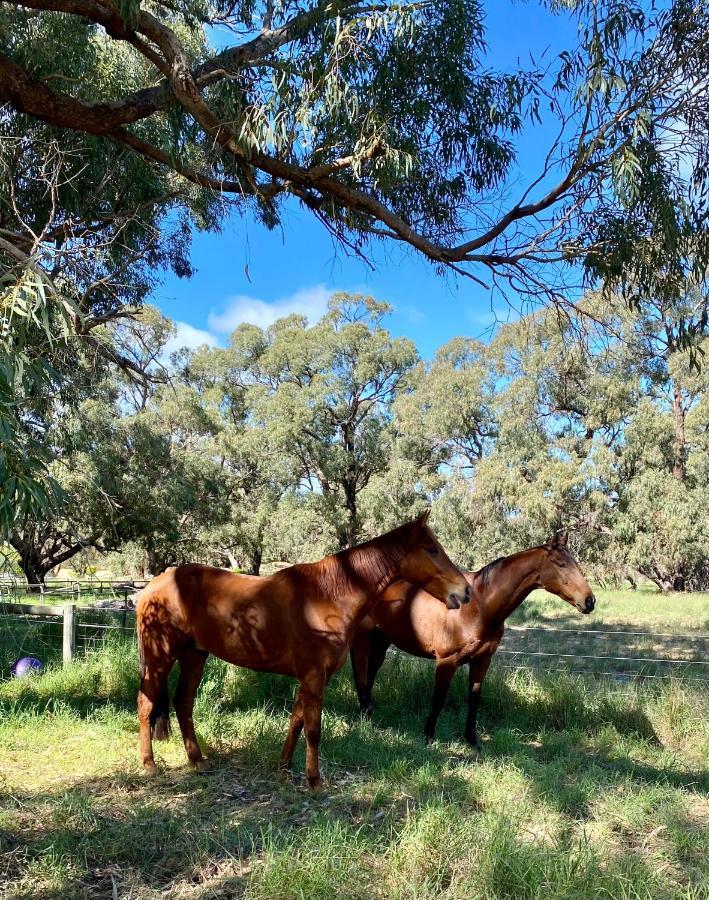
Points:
(296, 440)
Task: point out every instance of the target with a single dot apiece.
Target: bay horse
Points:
(410, 619)
(298, 622)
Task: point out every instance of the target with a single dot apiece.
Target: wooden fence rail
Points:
(608, 652)
(68, 613)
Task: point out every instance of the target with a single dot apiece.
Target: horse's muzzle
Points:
(589, 604)
(456, 600)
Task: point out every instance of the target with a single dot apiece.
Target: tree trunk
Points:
(232, 561)
(34, 571)
(679, 445)
(158, 562)
(255, 561)
(349, 485)
(662, 581)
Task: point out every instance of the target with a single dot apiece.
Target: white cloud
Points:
(190, 337)
(413, 314)
(309, 301)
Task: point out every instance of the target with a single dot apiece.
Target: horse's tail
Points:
(160, 713)
(160, 717)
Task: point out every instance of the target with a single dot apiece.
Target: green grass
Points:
(645, 609)
(584, 789)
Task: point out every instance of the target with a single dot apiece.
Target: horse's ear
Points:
(560, 538)
(422, 520)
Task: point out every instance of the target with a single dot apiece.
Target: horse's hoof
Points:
(316, 784)
(285, 774)
(149, 768)
(203, 765)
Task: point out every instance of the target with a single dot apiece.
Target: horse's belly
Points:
(238, 642)
(412, 646)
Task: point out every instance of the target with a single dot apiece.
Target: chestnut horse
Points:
(298, 622)
(410, 619)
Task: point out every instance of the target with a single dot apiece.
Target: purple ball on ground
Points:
(27, 665)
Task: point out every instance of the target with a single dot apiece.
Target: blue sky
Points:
(248, 273)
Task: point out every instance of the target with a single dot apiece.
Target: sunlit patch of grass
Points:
(644, 609)
(584, 789)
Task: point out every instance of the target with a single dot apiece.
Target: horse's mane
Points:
(486, 571)
(373, 561)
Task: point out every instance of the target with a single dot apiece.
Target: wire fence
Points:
(74, 629)
(614, 653)
(62, 620)
(88, 591)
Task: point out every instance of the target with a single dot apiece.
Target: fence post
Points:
(69, 633)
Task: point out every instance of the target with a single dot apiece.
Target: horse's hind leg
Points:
(444, 676)
(379, 644)
(312, 689)
(192, 663)
(478, 671)
(153, 701)
(359, 656)
(294, 729)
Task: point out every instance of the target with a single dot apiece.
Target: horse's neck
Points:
(354, 577)
(511, 582)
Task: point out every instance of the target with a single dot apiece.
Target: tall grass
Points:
(584, 789)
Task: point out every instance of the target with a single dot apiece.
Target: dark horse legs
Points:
(444, 676)
(153, 706)
(478, 671)
(153, 703)
(368, 652)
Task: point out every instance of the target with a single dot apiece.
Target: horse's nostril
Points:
(590, 602)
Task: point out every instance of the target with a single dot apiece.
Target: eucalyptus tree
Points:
(125, 459)
(252, 473)
(529, 431)
(386, 120)
(86, 228)
(321, 396)
(57, 420)
(662, 522)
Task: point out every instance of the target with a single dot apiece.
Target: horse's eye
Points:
(432, 550)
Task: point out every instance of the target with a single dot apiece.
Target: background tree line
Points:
(394, 122)
(298, 440)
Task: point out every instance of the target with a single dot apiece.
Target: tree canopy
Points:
(296, 440)
(386, 120)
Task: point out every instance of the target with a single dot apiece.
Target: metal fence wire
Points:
(61, 620)
(33, 628)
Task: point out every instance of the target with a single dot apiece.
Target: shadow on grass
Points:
(386, 788)
(237, 833)
(181, 826)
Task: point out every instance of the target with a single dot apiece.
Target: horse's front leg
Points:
(312, 690)
(444, 675)
(192, 663)
(478, 671)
